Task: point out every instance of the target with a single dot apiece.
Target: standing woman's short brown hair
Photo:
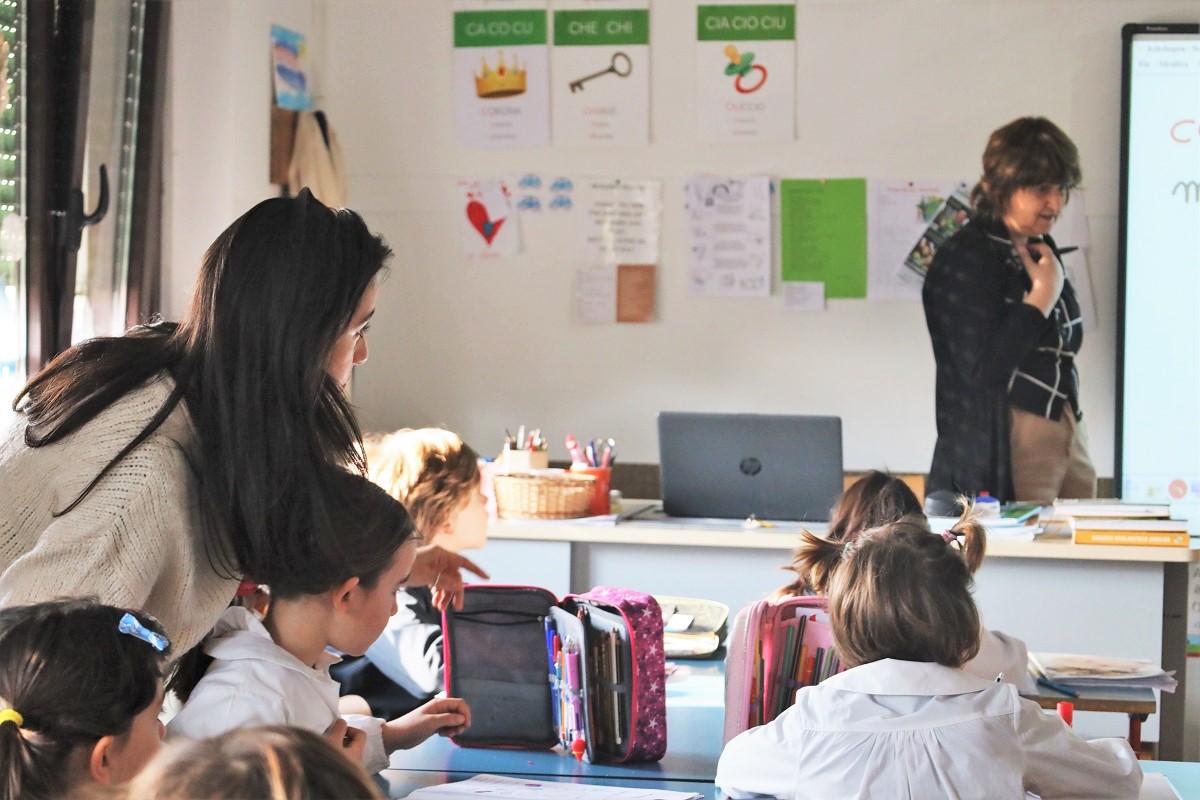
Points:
(900, 591)
(1026, 153)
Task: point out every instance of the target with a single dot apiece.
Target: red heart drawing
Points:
(478, 216)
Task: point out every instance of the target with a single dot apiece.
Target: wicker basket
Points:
(532, 496)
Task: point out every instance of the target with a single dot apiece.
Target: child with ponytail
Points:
(875, 499)
(906, 720)
(80, 694)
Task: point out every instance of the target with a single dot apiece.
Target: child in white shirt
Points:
(906, 721)
(275, 670)
(878, 498)
(436, 475)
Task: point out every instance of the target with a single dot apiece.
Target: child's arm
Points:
(1060, 764)
(447, 716)
(759, 762)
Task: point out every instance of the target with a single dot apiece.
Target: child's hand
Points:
(350, 742)
(447, 716)
(438, 569)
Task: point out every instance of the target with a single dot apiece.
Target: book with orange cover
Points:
(1135, 532)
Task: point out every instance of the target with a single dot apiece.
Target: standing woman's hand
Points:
(439, 569)
(1046, 273)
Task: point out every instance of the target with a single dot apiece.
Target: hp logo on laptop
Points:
(750, 466)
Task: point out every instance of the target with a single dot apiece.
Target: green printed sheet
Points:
(823, 231)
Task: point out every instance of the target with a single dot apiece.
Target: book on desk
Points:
(1136, 532)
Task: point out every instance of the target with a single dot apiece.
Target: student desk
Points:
(1058, 597)
(1139, 704)
(695, 720)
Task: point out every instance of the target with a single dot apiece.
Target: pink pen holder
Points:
(603, 483)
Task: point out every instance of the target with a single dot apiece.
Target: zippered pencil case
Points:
(538, 672)
(775, 649)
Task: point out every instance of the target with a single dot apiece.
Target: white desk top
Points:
(713, 533)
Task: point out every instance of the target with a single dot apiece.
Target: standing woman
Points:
(1005, 327)
(157, 469)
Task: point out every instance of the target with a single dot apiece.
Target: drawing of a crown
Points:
(504, 81)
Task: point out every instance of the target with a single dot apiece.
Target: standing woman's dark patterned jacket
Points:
(992, 349)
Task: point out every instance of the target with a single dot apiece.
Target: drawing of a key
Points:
(620, 71)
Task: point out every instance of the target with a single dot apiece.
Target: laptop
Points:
(774, 466)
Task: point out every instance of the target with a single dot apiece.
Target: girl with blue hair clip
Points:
(80, 693)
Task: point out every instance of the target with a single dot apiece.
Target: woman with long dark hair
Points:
(156, 470)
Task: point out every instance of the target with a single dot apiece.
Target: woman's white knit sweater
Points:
(134, 541)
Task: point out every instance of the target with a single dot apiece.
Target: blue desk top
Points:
(695, 718)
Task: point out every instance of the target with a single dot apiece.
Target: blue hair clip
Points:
(129, 624)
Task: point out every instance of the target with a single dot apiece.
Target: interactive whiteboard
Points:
(1158, 339)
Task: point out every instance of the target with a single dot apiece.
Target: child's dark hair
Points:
(68, 677)
(371, 525)
(875, 499)
(900, 591)
(275, 762)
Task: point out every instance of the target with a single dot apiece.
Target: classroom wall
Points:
(895, 89)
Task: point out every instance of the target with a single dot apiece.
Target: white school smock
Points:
(905, 730)
(254, 681)
(1001, 654)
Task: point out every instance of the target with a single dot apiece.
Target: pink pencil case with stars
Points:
(585, 674)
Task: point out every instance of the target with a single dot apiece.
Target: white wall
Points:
(885, 89)
(218, 124)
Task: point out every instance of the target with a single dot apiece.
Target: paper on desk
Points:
(496, 787)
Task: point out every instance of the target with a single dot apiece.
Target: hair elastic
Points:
(11, 715)
(950, 537)
(129, 624)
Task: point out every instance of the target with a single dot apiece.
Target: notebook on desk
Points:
(774, 466)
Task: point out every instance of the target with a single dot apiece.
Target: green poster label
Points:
(823, 234)
(499, 28)
(745, 23)
(611, 27)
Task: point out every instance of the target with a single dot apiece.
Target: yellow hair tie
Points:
(11, 715)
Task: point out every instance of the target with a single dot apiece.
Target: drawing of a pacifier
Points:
(621, 65)
(741, 65)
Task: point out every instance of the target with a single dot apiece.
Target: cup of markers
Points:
(595, 459)
(522, 452)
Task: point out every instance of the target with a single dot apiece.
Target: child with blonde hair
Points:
(269, 763)
(878, 498)
(80, 693)
(275, 670)
(437, 477)
(905, 720)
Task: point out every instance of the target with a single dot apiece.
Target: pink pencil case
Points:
(496, 658)
(774, 650)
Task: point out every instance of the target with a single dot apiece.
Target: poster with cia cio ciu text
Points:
(746, 72)
(501, 73)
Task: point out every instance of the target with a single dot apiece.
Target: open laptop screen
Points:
(774, 466)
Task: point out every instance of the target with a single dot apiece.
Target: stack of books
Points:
(1116, 522)
(1073, 671)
